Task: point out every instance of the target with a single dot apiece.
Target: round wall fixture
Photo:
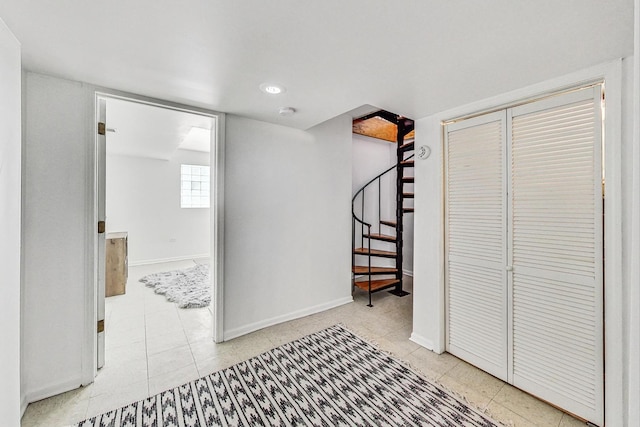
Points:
(272, 88)
(286, 111)
(424, 151)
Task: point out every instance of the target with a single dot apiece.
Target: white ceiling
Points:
(142, 130)
(413, 57)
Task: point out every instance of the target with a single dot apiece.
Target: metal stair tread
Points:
(408, 146)
(407, 163)
(389, 223)
(408, 179)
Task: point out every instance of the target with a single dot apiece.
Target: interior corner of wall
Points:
(23, 404)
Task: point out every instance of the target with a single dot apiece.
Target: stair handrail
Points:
(353, 200)
(361, 190)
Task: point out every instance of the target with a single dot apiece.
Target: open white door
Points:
(100, 176)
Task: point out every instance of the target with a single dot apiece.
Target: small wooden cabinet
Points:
(116, 265)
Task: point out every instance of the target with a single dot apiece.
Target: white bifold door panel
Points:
(557, 249)
(548, 282)
(476, 242)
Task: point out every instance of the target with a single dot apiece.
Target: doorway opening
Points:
(158, 198)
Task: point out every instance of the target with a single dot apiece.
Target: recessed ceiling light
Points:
(272, 89)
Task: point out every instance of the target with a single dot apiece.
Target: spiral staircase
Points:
(376, 239)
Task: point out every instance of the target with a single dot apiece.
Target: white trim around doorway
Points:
(89, 348)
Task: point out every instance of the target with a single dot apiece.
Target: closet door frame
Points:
(610, 74)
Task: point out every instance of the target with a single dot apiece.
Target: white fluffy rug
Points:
(188, 287)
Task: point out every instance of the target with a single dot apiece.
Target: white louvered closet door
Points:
(556, 251)
(475, 240)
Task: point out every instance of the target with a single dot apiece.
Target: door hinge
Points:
(101, 227)
(102, 128)
(100, 326)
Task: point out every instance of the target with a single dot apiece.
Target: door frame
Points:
(92, 94)
(431, 129)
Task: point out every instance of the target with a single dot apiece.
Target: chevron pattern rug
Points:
(329, 378)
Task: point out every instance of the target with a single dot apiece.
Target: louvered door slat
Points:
(556, 239)
(476, 252)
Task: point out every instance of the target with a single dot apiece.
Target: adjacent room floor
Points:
(152, 345)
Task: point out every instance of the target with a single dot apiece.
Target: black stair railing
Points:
(362, 223)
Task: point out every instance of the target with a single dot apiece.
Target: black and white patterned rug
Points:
(329, 378)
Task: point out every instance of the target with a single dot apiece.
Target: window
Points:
(194, 186)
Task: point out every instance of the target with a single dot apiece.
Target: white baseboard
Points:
(252, 327)
(161, 260)
(51, 390)
(422, 341)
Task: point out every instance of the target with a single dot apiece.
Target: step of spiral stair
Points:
(407, 195)
(407, 210)
(377, 285)
(383, 237)
(407, 163)
(375, 252)
(407, 146)
(408, 179)
(389, 223)
(364, 269)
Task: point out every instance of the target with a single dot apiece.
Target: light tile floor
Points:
(152, 345)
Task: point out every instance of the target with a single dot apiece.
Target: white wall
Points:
(629, 164)
(287, 221)
(54, 223)
(287, 227)
(370, 157)
(143, 198)
(633, 396)
(428, 322)
(10, 162)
